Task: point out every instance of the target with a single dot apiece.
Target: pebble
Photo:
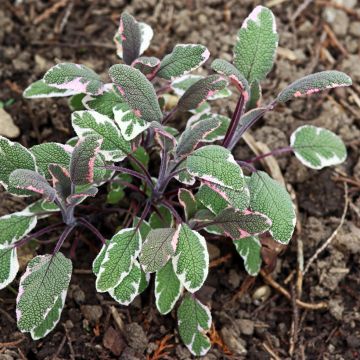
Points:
(246, 326)
(355, 28)
(136, 337)
(233, 341)
(92, 313)
(338, 20)
(7, 126)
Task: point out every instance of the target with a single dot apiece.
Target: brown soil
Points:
(247, 328)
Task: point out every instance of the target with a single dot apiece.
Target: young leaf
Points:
(194, 321)
(14, 227)
(223, 67)
(159, 246)
(269, 197)
(51, 319)
(167, 288)
(199, 92)
(128, 289)
(241, 224)
(147, 65)
(9, 266)
(216, 167)
(74, 77)
(61, 181)
(137, 90)
(317, 148)
(83, 159)
(51, 153)
(183, 59)
(23, 179)
(130, 125)
(114, 147)
(119, 257)
(46, 278)
(195, 134)
(255, 96)
(39, 89)
(188, 202)
(256, 44)
(249, 249)
(161, 218)
(129, 32)
(14, 156)
(314, 83)
(191, 260)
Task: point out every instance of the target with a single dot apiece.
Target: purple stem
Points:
(93, 229)
(246, 165)
(141, 166)
(169, 115)
(168, 205)
(274, 152)
(63, 237)
(234, 121)
(130, 172)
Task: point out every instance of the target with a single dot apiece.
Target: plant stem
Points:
(234, 121)
(63, 237)
(141, 166)
(130, 172)
(246, 165)
(168, 205)
(93, 229)
(169, 115)
(274, 152)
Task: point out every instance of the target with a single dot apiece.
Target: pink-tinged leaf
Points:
(163, 137)
(83, 160)
(78, 198)
(199, 92)
(24, 179)
(314, 83)
(61, 181)
(147, 65)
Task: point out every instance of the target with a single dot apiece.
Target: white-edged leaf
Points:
(39, 89)
(188, 202)
(249, 249)
(148, 65)
(9, 266)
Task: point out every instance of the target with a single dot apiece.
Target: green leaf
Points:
(128, 289)
(216, 167)
(191, 260)
(14, 227)
(40, 208)
(269, 197)
(14, 156)
(144, 282)
(47, 277)
(240, 224)
(39, 89)
(158, 247)
(51, 319)
(75, 102)
(119, 257)
(211, 199)
(138, 91)
(314, 83)
(200, 91)
(130, 125)
(167, 288)
(114, 147)
(141, 155)
(256, 44)
(51, 153)
(99, 258)
(9, 266)
(255, 96)
(74, 77)
(317, 148)
(180, 85)
(249, 249)
(147, 65)
(194, 321)
(161, 219)
(188, 202)
(183, 59)
(184, 176)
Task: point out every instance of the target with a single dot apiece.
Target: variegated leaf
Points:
(75, 102)
(181, 84)
(9, 266)
(61, 181)
(249, 249)
(39, 89)
(188, 202)
(211, 199)
(147, 65)
(183, 175)
(161, 218)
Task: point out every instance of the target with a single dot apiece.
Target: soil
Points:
(250, 322)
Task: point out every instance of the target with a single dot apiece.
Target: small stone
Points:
(261, 294)
(233, 341)
(355, 28)
(246, 326)
(7, 126)
(338, 20)
(336, 308)
(92, 313)
(78, 295)
(113, 341)
(136, 337)
(234, 278)
(182, 352)
(69, 324)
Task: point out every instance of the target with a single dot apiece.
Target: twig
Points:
(270, 351)
(58, 351)
(220, 260)
(334, 40)
(117, 318)
(50, 11)
(294, 323)
(300, 9)
(11, 343)
(333, 235)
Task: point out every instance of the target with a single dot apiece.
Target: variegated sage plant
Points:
(199, 188)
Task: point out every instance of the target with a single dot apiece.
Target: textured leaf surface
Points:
(61, 181)
(51, 153)
(191, 260)
(14, 156)
(39, 89)
(128, 289)
(99, 258)
(256, 44)
(188, 202)
(137, 90)
(31, 181)
(159, 246)
(147, 65)
(181, 84)
(183, 59)
(74, 77)
(255, 96)
(45, 279)
(199, 92)
(194, 321)
(119, 256)
(114, 147)
(240, 224)
(270, 198)
(249, 249)
(9, 266)
(75, 102)
(161, 219)
(211, 199)
(316, 147)
(167, 288)
(129, 31)
(314, 83)
(83, 159)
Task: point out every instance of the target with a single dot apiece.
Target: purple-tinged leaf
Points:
(61, 181)
(199, 92)
(314, 83)
(137, 90)
(163, 137)
(29, 180)
(83, 160)
(147, 65)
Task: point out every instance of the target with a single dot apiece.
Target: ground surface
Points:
(258, 323)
